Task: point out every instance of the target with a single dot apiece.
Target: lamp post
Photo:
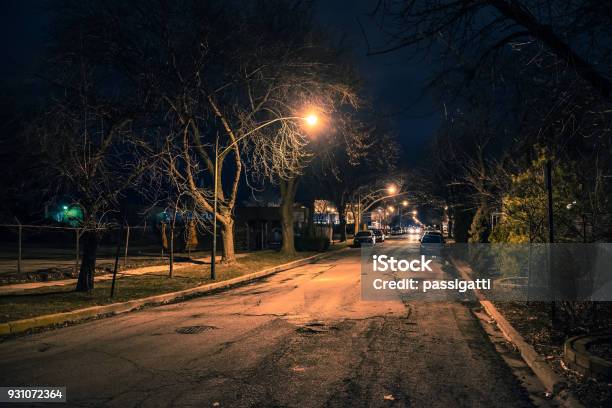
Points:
(311, 120)
(391, 189)
(404, 204)
(392, 192)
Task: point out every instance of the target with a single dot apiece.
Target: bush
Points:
(317, 244)
(479, 230)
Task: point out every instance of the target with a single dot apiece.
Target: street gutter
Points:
(24, 325)
(549, 379)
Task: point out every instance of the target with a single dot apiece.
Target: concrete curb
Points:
(21, 326)
(551, 381)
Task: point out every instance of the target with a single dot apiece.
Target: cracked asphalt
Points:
(301, 338)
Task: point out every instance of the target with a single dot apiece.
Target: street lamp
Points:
(414, 212)
(392, 189)
(311, 120)
(405, 203)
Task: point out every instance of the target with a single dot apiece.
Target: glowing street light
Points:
(414, 212)
(391, 189)
(311, 119)
(405, 203)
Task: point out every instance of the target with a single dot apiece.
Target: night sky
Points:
(393, 81)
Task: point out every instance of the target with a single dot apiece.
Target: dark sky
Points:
(23, 32)
(395, 83)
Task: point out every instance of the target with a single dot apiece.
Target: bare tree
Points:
(89, 154)
(570, 30)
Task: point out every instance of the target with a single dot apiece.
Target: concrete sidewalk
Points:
(20, 287)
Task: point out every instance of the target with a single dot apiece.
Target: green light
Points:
(65, 207)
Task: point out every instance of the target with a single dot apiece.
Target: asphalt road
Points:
(301, 338)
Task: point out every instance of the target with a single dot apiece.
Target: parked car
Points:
(432, 238)
(432, 244)
(364, 238)
(379, 235)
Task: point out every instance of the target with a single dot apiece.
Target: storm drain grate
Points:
(194, 329)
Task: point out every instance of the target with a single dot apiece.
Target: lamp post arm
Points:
(382, 198)
(366, 197)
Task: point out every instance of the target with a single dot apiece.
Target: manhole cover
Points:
(194, 329)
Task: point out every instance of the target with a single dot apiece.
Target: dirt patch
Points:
(532, 321)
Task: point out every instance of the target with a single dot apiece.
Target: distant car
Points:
(379, 235)
(364, 238)
(396, 231)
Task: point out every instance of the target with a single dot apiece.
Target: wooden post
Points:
(248, 241)
(76, 255)
(263, 223)
(127, 243)
(19, 250)
(112, 292)
(171, 250)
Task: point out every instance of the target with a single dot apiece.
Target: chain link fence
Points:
(36, 252)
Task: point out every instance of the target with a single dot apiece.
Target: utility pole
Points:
(548, 175)
(551, 236)
(358, 218)
(213, 254)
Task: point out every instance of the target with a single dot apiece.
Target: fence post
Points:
(19, 251)
(248, 241)
(127, 243)
(112, 292)
(76, 255)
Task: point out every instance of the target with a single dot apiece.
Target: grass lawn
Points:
(57, 299)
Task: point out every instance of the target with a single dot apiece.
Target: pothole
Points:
(194, 329)
(315, 328)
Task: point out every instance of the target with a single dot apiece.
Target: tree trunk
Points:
(227, 236)
(287, 189)
(85, 282)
